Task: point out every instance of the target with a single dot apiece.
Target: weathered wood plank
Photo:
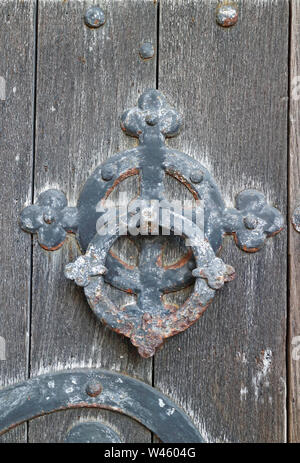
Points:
(16, 153)
(86, 78)
(294, 238)
(228, 370)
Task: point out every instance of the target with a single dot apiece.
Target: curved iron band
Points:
(128, 163)
(91, 432)
(67, 390)
(168, 324)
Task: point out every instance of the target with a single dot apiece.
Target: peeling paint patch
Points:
(161, 403)
(69, 390)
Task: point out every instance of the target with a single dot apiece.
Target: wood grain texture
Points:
(86, 78)
(228, 370)
(16, 126)
(294, 237)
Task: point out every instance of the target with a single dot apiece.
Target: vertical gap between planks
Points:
(288, 318)
(29, 320)
(157, 42)
(156, 84)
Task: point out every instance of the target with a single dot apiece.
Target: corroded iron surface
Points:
(68, 389)
(227, 13)
(148, 322)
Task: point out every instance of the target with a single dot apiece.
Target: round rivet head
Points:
(227, 14)
(196, 176)
(296, 219)
(48, 217)
(94, 17)
(94, 388)
(250, 222)
(107, 173)
(151, 119)
(147, 50)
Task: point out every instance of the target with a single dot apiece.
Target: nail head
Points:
(250, 222)
(107, 173)
(147, 50)
(94, 17)
(227, 14)
(196, 176)
(93, 389)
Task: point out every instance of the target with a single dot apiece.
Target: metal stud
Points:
(250, 222)
(93, 389)
(147, 50)
(196, 176)
(227, 14)
(107, 173)
(94, 17)
(296, 219)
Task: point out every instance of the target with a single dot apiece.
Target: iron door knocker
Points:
(149, 321)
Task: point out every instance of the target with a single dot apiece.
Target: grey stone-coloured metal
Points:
(296, 219)
(94, 17)
(85, 267)
(92, 433)
(252, 221)
(50, 218)
(94, 388)
(148, 322)
(227, 13)
(147, 50)
(67, 390)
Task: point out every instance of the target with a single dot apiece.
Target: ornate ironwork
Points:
(70, 390)
(149, 321)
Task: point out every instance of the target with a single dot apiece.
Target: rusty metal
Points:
(92, 432)
(94, 17)
(93, 389)
(227, 13)
(148, 322)
(147, 50)
(67, 390)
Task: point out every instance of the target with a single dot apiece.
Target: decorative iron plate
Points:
(73, 389)
(149, 321)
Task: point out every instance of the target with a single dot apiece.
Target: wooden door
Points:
(66, 86)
